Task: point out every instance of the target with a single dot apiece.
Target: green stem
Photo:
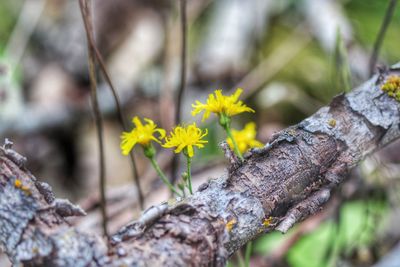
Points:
(162, 176)
(183, 192)
(235, 146)
(189, 173)
(247, 254)
(240, 258)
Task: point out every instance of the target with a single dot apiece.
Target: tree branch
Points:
(277, 186)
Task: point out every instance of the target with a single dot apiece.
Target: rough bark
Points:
(277, 186)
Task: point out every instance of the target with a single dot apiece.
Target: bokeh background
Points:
(290, 57)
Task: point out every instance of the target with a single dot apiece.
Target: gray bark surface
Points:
(283, 183)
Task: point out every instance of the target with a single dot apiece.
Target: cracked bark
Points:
(283, 183)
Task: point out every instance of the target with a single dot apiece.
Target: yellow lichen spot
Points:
(332, 123)
(267, 221)
(392, 87)
(292, 132)
(230, 224)
(245, 138)
(26, 190)
(18, 183)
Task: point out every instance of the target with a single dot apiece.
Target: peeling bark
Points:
(283, 183)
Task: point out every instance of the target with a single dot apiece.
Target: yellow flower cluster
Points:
(185, 138)
(245, 138)
(392, 87)
(141, 134)
(180, 137)
(221, 105)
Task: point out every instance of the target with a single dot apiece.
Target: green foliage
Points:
(269, 242)
(7, 21)
(309, 69)
(357, 226)
(366, 17)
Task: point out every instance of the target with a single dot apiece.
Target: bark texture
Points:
(277, 186)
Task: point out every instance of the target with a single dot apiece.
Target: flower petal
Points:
(128, 141)
(137, 122)
(190, 151)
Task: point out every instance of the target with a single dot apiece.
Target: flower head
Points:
(141, 134)
(245, 138)
(221, 105)
(186, 138)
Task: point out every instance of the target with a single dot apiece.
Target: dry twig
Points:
(182, 85)
(85, 10)
(92, 44)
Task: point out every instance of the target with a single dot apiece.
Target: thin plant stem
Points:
(122, 123)
(189, 174)
(240, 258)
(137, 180)
(381, 34)
(247, 254)
(230, 136)
(183, 192)
(85, 10)
(341, 69)
(174, 168)
(183, 61)
(182, 84)
(162, 176)
(91, 42)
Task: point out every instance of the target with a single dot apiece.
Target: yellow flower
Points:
(245, 138)
(142, 134)
(220, 104)
(186, 138)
